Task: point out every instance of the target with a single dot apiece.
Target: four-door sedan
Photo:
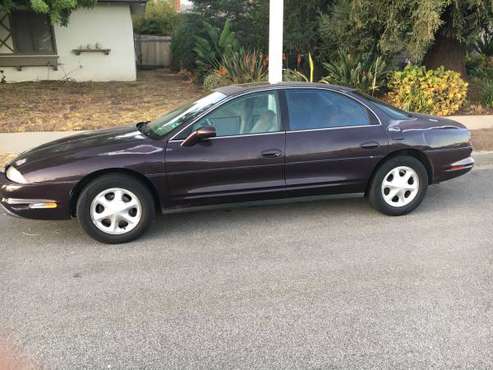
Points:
(240, 143)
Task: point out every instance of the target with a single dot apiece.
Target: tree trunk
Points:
(447, 52)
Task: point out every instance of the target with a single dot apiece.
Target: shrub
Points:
(438, 91)
(294, 75)
(160, 18)
(238, 68)
(486, 93)
(297, 76)
(214, 80)
(479, 66)
(215, 45)
(245, 67)
(183, 41)
(484, 45)
(365, 72)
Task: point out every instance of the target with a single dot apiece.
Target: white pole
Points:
(276, 16)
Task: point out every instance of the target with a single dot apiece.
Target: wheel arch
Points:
(419, 155)
(79, 187)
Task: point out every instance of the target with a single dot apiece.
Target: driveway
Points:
(326, 283)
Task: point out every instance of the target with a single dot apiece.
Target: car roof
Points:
(232, 90)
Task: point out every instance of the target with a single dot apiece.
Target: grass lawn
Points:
(65, 106)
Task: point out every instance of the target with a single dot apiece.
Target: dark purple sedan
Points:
(240, 143)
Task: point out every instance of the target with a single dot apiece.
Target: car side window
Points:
(318, 109)
(252, 114)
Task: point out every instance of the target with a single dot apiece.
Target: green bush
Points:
(437, 91)
(214, 80)
(294, 75)
(245, 67)
(365, 72)
(238, 68)
(183, 41)
(484, 45)
(215, 45)
(486, 92)
(160, 18)
(479, 66)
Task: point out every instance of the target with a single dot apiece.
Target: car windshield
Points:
(167, 123)
(391, 111)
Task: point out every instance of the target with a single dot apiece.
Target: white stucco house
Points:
(96, 45)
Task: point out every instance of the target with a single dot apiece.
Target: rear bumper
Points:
(451, 163)
(42, 201)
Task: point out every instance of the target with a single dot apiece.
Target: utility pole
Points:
(276, 17)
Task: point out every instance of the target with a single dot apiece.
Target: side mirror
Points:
(199, 134)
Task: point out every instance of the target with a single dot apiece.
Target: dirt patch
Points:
(482, 139)
(65, 106)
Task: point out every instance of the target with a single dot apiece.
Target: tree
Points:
(435, 32)
(58, 10)
(250, 22)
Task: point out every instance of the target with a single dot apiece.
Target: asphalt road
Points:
(320, 284)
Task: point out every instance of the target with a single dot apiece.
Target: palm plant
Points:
(214, 46)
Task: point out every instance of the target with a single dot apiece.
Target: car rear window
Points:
(319, 109)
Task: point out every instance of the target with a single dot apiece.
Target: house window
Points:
(32, 33)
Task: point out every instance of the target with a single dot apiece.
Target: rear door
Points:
(246, 157)
(333, 140)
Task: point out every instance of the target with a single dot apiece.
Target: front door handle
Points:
(370, 145)
(271, 153)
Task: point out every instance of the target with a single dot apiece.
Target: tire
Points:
(399, 186)
(115, 209)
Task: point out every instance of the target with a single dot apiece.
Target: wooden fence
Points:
(152, 51)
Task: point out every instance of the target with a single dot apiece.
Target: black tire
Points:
(376, 195)
(105, 182)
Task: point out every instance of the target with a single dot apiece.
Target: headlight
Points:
(15, 176)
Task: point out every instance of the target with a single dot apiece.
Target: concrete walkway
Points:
(19, 142)
(474, 122)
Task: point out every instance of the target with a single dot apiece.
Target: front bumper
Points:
(42, 201)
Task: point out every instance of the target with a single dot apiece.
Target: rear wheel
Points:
(115, 209)
(399, 186)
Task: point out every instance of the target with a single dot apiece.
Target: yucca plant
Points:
(244, 66)
(297, 76)
(364, 72)
(484, 45)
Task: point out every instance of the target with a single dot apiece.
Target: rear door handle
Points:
(370, 145)
(271, 153)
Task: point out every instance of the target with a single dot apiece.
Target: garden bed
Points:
(68, 106)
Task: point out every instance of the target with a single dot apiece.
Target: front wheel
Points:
(399, 186)
(115, 209)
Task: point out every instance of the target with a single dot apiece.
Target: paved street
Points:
(326, 283)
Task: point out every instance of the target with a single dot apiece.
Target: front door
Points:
(246, 156)
(333, 140)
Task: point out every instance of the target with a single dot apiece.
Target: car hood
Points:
(90, 143)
